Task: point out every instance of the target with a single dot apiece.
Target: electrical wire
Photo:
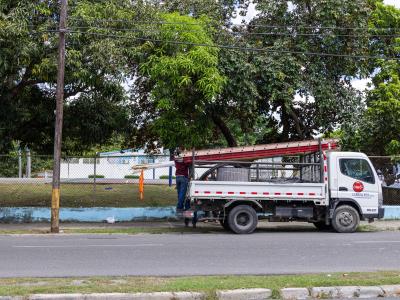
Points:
(246, 33)
(235, 25)
(295, 34)
(249, 49)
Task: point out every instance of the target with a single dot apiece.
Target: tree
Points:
(378, 129)
(125, 77)
(310, 94)
(185, 81)
(95, 73)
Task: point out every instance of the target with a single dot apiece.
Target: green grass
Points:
(86, 195)
(367, 228)
(206, 284)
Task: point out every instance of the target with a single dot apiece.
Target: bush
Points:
(166, 177)
(131, 176)
(97, 176)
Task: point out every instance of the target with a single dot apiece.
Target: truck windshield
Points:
(357, 169)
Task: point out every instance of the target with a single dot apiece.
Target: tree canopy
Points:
(182, 73)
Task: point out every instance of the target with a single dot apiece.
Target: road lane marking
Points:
(374, 242)
(86, 246)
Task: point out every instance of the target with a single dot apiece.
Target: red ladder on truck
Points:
(261, 151)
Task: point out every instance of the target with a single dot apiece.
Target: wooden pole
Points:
(55, 195)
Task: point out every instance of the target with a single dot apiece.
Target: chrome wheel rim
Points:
(243, 220)
(346, 219)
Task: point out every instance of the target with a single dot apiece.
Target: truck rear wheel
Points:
(223, 220)
(345, 219)
(224, 223)
(242, 219)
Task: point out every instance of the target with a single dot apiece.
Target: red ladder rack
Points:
(261, 151)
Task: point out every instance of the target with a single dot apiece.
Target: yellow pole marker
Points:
(55, 206)
(141, 184)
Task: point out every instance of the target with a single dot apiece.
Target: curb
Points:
(113, 296)
(251, 294)
(332, 292)
(341, 292)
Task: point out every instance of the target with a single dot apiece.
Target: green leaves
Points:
(186, 79)
(379, 127)
(157, 67)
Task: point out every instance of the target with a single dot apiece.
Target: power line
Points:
(294, 34)
(243, 33)
(236, 25)
(252, 49)
(230, 47)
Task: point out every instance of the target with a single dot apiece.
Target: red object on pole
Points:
(141, 185)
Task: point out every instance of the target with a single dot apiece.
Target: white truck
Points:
(307, 181)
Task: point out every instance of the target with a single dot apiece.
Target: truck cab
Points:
(353, 181)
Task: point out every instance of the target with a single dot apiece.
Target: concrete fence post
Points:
(28, 162)
(19, 163)
(94, 177)
(154, 170)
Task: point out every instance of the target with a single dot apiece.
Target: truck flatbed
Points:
(258, 191)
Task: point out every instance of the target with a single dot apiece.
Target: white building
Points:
(115, 164)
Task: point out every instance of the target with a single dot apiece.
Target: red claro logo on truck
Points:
(358, 187)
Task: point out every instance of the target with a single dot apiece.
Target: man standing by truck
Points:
(182, 180)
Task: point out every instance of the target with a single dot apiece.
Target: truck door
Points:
(357, 181)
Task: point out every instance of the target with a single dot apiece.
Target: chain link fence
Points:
(102, 181)
(388, 169)
(110, 181)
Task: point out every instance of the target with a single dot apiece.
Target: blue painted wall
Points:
(100, 214)
(392, 213)
(93, 214)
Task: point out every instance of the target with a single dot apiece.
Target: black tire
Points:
(321, 225)
(242, 219)
(345, 219)
(223, 220)
(224, 223)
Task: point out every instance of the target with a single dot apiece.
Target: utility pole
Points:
(55, 195)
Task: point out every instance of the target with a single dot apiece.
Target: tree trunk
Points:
(226, 132)
(297, 123)
(285, 123)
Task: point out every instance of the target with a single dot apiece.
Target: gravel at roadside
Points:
(263, 225)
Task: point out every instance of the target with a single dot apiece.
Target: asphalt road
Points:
(192, 254)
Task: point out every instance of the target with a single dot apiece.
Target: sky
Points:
(252, 11)
(393, 2)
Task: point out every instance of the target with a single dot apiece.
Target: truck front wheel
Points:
(345, 219)
(242, 219)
